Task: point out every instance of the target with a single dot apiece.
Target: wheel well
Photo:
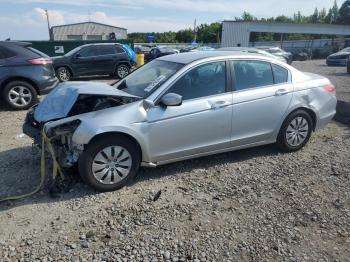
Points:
(69, 69)
(311, 113)
(119, 134)
(12, 79)
(123, 63)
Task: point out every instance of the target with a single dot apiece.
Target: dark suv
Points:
(93, 59)
(24, 73)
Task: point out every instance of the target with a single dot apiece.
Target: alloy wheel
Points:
(297, 131)
(64, 74)
(111, 165)
(20, 96)
(122, 71)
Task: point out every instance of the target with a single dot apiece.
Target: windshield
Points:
(148, 78)
(73, 51)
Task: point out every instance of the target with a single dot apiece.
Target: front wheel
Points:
(295, 131)
(109, 162)
(122, 71)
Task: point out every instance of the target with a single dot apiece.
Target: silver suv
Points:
(180, 107)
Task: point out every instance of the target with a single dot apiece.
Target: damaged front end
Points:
(58, 115)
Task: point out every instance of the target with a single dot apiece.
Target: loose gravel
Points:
(252, 205)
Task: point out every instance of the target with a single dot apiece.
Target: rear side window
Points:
(88, 51)
(280, 74)
(119, 50)
(5, 53)
(106, 50)
(251, 74)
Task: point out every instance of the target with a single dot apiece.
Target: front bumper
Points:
(31, 127)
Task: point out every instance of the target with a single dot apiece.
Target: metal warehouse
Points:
(87, 31)
(236, 33)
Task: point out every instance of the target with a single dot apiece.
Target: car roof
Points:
(18, 43)
(187, 58)
(92, 44)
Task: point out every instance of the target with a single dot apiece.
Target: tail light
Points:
(40, 61)
(329, 88)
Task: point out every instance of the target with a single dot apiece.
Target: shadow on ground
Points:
(20, 173)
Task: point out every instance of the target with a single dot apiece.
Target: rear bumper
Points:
(48, 85)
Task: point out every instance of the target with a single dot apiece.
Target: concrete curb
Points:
(343, 112)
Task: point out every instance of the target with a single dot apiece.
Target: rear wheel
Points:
(63, 74)
(122, 71)
(20, 95)
(109, 162)
(295, 131)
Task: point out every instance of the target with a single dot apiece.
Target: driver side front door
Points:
(201, 124)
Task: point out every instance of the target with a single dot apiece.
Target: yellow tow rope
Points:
(56, 168)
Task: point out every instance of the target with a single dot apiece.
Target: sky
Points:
(26, 20)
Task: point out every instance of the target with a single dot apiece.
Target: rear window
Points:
(37, 52)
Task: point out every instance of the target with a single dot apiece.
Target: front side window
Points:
(88, 51)
(280, 74)
(148, 78)
(106, 50)
(204, 80)
(251, 74)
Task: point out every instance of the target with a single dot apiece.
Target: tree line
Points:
(211, 33)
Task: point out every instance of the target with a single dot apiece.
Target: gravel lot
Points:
(252, 205)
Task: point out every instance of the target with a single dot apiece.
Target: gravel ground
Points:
(252, 205)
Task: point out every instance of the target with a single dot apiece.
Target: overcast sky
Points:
(25, 19)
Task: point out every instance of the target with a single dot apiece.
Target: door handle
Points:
(281, 92)
(219, 104)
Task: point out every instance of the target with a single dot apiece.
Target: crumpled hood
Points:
(59, 101)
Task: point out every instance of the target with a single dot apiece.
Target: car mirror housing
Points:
(171, 99)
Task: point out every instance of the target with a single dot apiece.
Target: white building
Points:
(236, 33)
(87, 31)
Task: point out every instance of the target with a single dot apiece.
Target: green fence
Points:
(58, 48)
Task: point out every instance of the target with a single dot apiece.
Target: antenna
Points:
(195, 30)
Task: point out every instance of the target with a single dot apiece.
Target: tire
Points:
(63, 74)
(295, 131)
(122, 71)
(109, 174)
(20, 95)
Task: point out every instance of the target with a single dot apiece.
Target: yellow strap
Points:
(55, 171)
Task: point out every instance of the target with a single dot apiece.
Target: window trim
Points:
(256, 60)
(228, 81)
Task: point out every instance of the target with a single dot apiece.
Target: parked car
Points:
(93, 59)
(159, 51)
(338, 58)
(348, 65)
(25, 73)
(276, 51)
(180, 107)
(254, 51)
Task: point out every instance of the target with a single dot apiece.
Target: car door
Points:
(83, 62)
(201, 124)
(261, 97)
(106, 59)
(4, 71)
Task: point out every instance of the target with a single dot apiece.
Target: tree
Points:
(344, 13)
(184, 36)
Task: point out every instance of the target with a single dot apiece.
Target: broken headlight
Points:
(64, 129)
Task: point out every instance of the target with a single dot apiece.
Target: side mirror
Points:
(76, 56)
(171, 99)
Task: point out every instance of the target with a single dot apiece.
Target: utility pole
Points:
(48, 23)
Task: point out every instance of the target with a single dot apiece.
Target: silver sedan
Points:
(179, 107)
